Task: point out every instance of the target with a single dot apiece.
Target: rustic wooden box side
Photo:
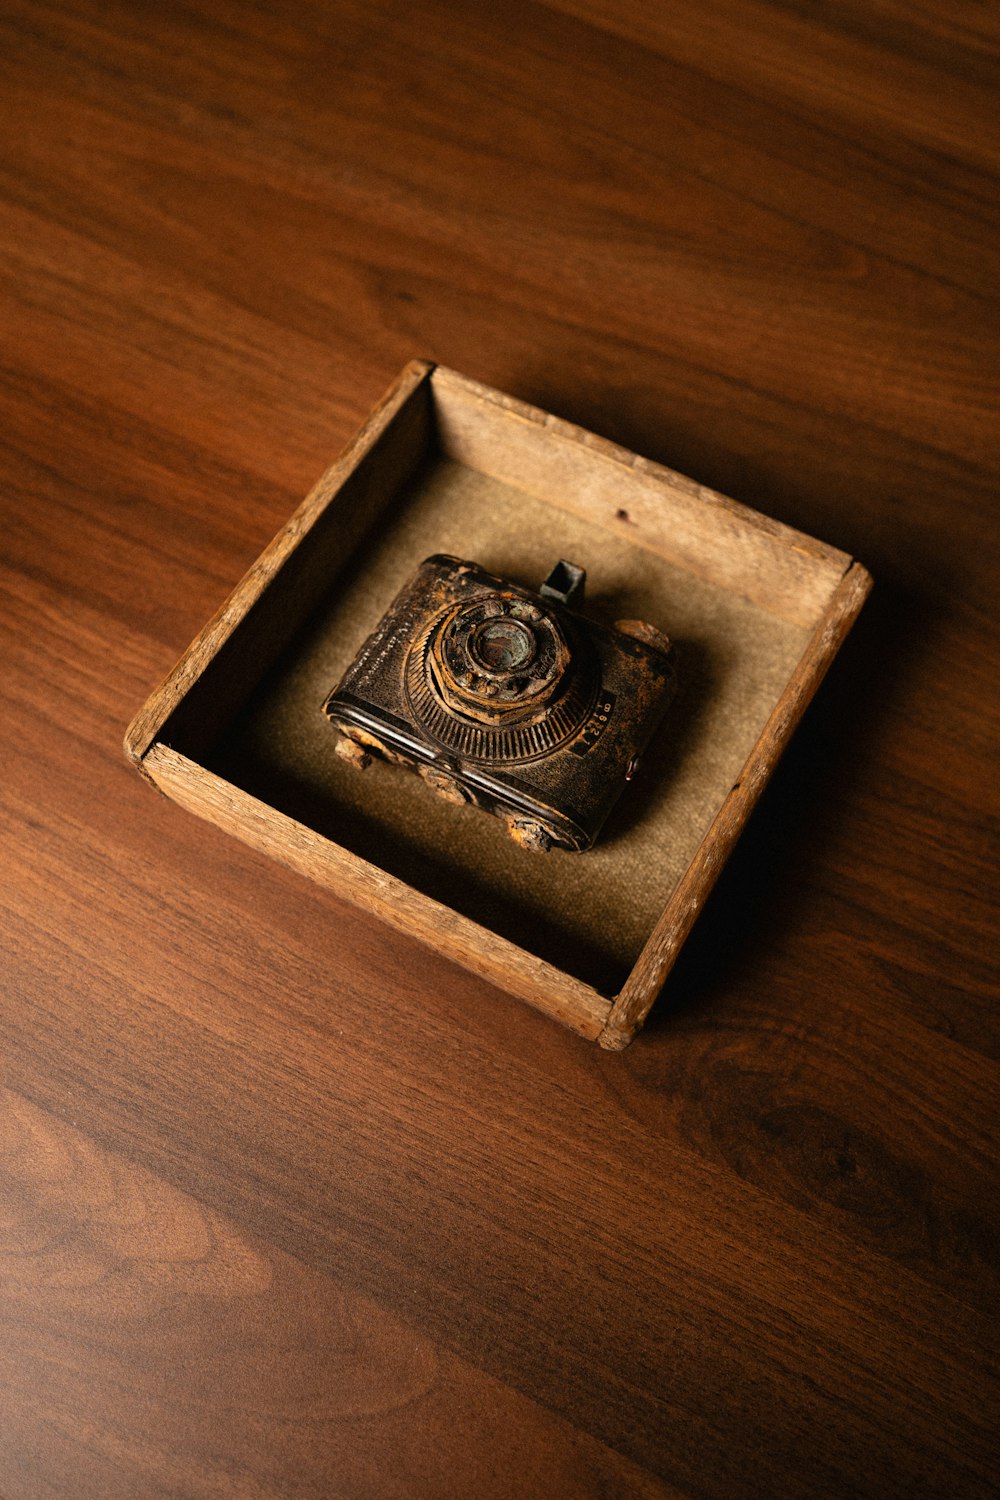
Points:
(444, 464)
(782, 570)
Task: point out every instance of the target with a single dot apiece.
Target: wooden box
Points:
(757, 612)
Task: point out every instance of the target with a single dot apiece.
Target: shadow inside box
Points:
(771, 876)
(481, 900)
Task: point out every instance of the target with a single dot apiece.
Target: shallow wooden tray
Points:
(757, 611)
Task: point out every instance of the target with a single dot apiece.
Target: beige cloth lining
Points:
(590, 913)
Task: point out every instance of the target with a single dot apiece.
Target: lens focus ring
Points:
(494, 679)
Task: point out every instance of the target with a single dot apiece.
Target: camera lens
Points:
(503, 645)
(498, 677)
(498, 655)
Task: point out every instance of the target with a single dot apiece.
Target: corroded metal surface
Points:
(506, 699)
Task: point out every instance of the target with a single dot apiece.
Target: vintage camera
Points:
(506, 698)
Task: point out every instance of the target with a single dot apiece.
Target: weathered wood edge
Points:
(637, 995)
(464, 941)
(148, 722)
(602, 448)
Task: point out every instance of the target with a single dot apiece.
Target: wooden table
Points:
(288, 1205)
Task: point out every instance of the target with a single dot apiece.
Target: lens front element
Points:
(503, 645)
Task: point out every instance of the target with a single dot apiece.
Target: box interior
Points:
(255, 717)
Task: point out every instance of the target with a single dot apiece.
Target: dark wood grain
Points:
(289, 1206)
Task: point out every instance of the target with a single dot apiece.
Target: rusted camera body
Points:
(506, 698)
